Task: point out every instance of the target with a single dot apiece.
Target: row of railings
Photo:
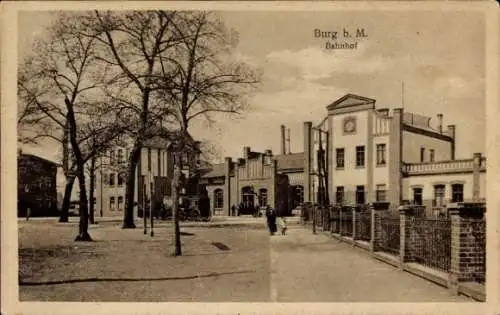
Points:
(454, 246)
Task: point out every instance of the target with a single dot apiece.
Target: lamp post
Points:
(144, 195)
(28, 209)
(151, 203)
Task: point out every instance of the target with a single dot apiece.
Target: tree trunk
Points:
(175, 209)
(91, 191)
(128, 215)
(70, 180)
(83, 234)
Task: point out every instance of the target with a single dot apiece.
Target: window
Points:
(380, 154)
(262, 197)
(360, 156)
(218, 198)
(340, 158)
(120, 156)
(457, 193)
(120, 203)
(439, 195)
(381, 192)
(431, 155)
(422, 154)
(120, 179)
(417, 196)
(339, 195)
(360, 195)
(105, 178)
(149, 159)
(111, 179)
(112, 203)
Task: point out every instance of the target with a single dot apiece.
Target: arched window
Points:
(120, 203)
(111, 179)
(218, 198)
(112, 157)
(121, 179)
(112, 203)
(262, 197)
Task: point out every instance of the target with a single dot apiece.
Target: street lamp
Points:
(28, 210)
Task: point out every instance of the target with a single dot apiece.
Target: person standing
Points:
(271, 220)
(282, 225)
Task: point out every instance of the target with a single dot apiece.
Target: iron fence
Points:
(430, 242)
(335, 222)
(389, 234)
(477, 228)
(346, 223)
(364, 226)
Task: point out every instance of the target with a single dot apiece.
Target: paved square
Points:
(239, 263)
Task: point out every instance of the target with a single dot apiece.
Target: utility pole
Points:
(151, 202)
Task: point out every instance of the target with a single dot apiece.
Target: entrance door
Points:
(248, 200)
(297, 193)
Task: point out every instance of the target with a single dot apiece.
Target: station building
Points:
(153, 175)
(358, 154)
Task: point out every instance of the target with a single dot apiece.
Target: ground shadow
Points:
(208, 275)
(221, 246)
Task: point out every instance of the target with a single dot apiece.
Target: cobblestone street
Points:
(239, 263)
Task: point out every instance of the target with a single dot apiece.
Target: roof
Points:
(216, 170)
(35, 157)
(290, 161)
(350, 100)
(163, 138)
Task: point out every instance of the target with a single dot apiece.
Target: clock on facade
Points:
(350, 125)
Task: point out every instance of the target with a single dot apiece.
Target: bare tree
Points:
(133, 41)
(57, 88)
(209, 82)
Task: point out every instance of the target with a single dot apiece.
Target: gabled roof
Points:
(350, 100)
(290, 161)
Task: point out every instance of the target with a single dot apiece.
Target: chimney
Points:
(451, 133)
(289, 145)
(440, 122)
(283, 140)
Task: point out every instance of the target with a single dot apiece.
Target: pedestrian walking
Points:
(271, 220)
(282, 225)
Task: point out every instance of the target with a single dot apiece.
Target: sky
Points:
(439, 56)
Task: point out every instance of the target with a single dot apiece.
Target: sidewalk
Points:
(316, 268)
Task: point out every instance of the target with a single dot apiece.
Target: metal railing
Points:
(364, 226)
(430, 242)
(390, 232)
(346, 223)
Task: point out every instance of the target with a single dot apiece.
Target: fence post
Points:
(375, 229)
(466, 257)
(355, 212)
(341, 211)
(405, 213)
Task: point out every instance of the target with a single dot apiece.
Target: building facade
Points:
(258, 179)
(153, 176)
(358, 154)
(397, 157)
(36, 186)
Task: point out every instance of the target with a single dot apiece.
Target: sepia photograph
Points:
(211, 155)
